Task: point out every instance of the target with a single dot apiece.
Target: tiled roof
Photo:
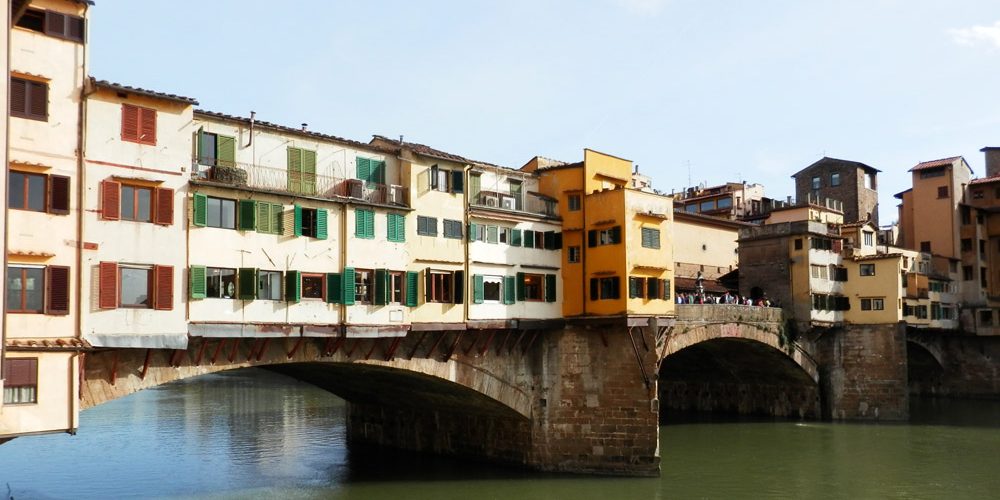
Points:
(64, 343)
(985, 180)
(297, 131)
(827, 159)
(564, 165)
(424, 150)
(141, 91)
(935, 163)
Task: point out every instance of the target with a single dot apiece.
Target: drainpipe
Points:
(467, 302)
(6, 221)
(81, 177)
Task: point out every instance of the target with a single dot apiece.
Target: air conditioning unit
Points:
(491, 201)
(396, 194)
(355, 188)
(509, 204)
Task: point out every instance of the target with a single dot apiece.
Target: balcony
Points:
(529, 203)
(280, 180)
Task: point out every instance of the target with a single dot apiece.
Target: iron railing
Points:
(527, 203)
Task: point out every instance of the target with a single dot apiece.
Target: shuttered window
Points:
(25, 289)
(293, 286)
(38, 192)
(598, 237)
(268, 217)
(55, 24)
(246, 283)
(198, 283)
(515, 237)
(216, 150)
(550, 288)
(412, 281)
(312, 222)
(364, 223)
(492, 234)
(427, 226)
(301, 171)
(163, 288)
(452, 229)
(247, 219)
(138, 124)
(334, 288)
(650, 238)
(29, 99)
(20, 376)
(371, 171)
(395, 227)
(57, 290)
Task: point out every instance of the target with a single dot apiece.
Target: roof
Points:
(827, 159)
(577, 164)
(297, 131)
(990, 148)
(936, 163)
(878, 256)
(901, 193)
(691, 284)
(424, 150)
(682, 216)
(985, 180)
(104, 84)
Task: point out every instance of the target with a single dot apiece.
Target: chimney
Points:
(992, 160)
(400, 138)
(305, 126)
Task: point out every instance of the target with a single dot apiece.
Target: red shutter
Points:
(108, 286)
(19, 372)
(58, 194)
(111, 200)
(163, 298)
(147, 126)
(18, 97)
(130, 123)
(57, 290)
(164, 206)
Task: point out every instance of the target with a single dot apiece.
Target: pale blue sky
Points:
(725, 90)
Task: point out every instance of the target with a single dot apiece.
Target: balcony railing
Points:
(525, 203)
(299, 183)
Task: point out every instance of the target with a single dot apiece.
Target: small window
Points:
(724, 203)
(364, 223)
(452, 228)
(136, 203)
(942, 192)
(650, 238)
(605, 288)
(798, 243)
(869, 238)
(220, 283)
(967, 273)
(573, 201)
(925, 246)
(27, 191)
(216, 150)
(20, 377)
(573, 255)
(220, 213)
(136, 287)
(29, 99)
(834, 179)
(599, 237)
(533, 284)
(986, 317)
(867, 269)
(978, 194)
(55, 24)
(25, 289)
(445, 180)
(396, 228)
(313, 286)
(138, 124)
(364, 289)
(872, 304)
(397, 287)
(706, 206)
(269, 285)
(492, 289)
(439, 286)
(816, 182)
(966, 245)
(427, 226)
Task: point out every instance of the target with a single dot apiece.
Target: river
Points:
(254, 434)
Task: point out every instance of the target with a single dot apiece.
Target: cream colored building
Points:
(704, 244)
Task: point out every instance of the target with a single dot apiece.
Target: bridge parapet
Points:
(693, 313)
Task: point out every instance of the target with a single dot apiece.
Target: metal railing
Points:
(525, 203)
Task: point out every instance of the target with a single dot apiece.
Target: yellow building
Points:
(617, 241)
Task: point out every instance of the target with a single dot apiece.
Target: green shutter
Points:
(248, 215)
(294, 168)
(520, 286)
(412, 280)
(492, 234)
(472, 231)
(378, 171)
(364, 168)
(200, 209)
(381, 287)
(364, 223)
(247, 283)
(196, 277)
(308, 172)
(200, 134)
(334, 289)
(297, 228)
(227, 151)
(475, 183)
(276, 218)
(321, 224)
(515, 237)
(293, 286)
(477, 288)
(458, 287)
(370, 224)
(550, 288)
(509, 287)
(348, 286)
(529, 239)
(396, 227)
(264, 218)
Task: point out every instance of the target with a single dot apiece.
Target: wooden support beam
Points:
(489, 340)
(201, 352)
(503, 344)
(113, 373)
(638, 358)
(233, 352)
(475, 340)
(263, 348)
(218, 349)
(145, 364)
(430, 353)
(415, 346)
(328, 346)
(604, 338)
(516, 342)
(370, 351)
(354, 345)
(175, 358)
(298, 343)
(253, 349)
(392, 348)
(527, 346)
(451, 350)
(337, 345)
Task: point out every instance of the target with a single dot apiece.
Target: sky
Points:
(692, 91)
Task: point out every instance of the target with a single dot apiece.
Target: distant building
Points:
(852, 183)
(733, 200)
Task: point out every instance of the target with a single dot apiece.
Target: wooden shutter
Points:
(197, 286)
(293, 286)
(549, 242)
(457, 181)
(18, 97)
(557, 244)
(111, 200)
(163, 288)
(57, 290)
(592, 238)
(322, 226)
(130, 123)
(492, 234)
(107, 289)
(20, 372)
(364, 168)
(38, 101)
(458, 287)
(308, 172)
(652, 288)
(515, 237)
(616, 234)
(264, 218)
(550, 288)
(200, 209)
(412, 282)
(297, 220)
(381, 287)
(378, 171)
(529, 239)
(633, 287)
(247, 289)
(509, 288)
(226, 151)
(348, 286)
(472, 231)
(369, 223)
(147, 126)
(58, 196)
(594, 284)
(164, 206)
(520, 286)
(334, 288)
(55, 24)
(294, 168)
(428, 286)
(617, 284)
(665, 289)
(359, 222)
(477, 289)
(74, 30)
(247, 215)
(434, 177)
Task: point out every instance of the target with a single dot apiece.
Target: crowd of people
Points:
(727, 298)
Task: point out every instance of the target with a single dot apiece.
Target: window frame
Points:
(208, 211)
(69, 22)
(144, 124)
(422, 222)
(364, 286)
(574, 203)
(397, 295)
(209, 275)
(36, 99)
(493, 280)
(454, 225)
(149, 285)
(652, 236)
(321, 288)
(26, 190)
(23, 302)
(869, 266)
(872, 303)
(573, 251)
(530, 289)
(261, 274)
(12, 384)
(441, 287)
(834, 179)
(135, 202)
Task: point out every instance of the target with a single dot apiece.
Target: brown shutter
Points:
(163, 298)
(147, 126)
(38, 106)
(19, 372)
(57, 290)
(55, 23)
(164, 206)
(130, 123)
(108, 286)
(18, 97)
(75, 29)
(58, 194)
(111, 200)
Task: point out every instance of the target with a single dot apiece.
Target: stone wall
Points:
(863, 372)
(947, 365)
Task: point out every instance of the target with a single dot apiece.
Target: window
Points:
(966, 245)
(942, 192)
(798, 243)
(816, 182)
(707, 206)
(650, 238)
(138, 124)
(20, 377)
(637, 287)
(985, 319)
(692, 208)
(820, 243)
(145, 204)
(983, 277)
(872, 304)
(867, 269)
(834, 179)
(966, 214)
(573, 201)
(605, 288)
(364, 223)
(314, 222)
(447, 181)
(427, 226)
(934, 172)
(925, 246)
(38, 192)
(978, 194)
(819, 272)
(492, 234)
(269, 285)
(935, 310)
(967, 273)
(869, 238)
(395, 228)
(268, 219)
(838, 273)
(438, 286)
(25, 289)
(56, 24)
(724, 203)
(136, 286)
(599, 237)
(452, 228)
(216, 150)
(364, 289)
(29, 99)
(397, 287)
(532, 284)
(220, 283)
(313, 286)
(869, 180)
(505, 235)
(136, 203)
(370, 170)
(301, 171)
(487, 289)
(574, 254)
